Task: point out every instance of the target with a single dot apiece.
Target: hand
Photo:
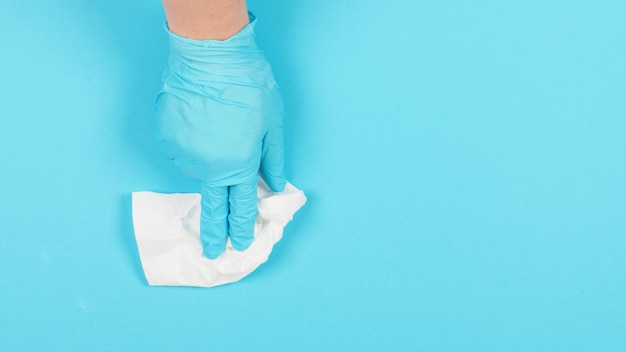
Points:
(219, 118)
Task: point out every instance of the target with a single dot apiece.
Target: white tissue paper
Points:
(168, 237)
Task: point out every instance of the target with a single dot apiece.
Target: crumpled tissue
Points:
(167, 231)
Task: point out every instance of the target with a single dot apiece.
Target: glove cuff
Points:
(243, 38)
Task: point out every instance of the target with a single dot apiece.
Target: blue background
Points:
(465, 165)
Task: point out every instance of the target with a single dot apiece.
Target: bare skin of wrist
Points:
(206, 19)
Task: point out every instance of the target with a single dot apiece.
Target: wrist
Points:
(206, 19)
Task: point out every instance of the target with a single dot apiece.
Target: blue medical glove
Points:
(219, 118)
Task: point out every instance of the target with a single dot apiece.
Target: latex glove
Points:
(219, 118)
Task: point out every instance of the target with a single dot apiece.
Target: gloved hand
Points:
(219, 118)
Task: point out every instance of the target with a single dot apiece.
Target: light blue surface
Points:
(465, 166)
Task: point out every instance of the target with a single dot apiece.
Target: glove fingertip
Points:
(211, 252)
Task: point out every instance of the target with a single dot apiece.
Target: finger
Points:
(273, 159)
(243, 209)
(213, 220)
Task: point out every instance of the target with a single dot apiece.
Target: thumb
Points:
(273, 159)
